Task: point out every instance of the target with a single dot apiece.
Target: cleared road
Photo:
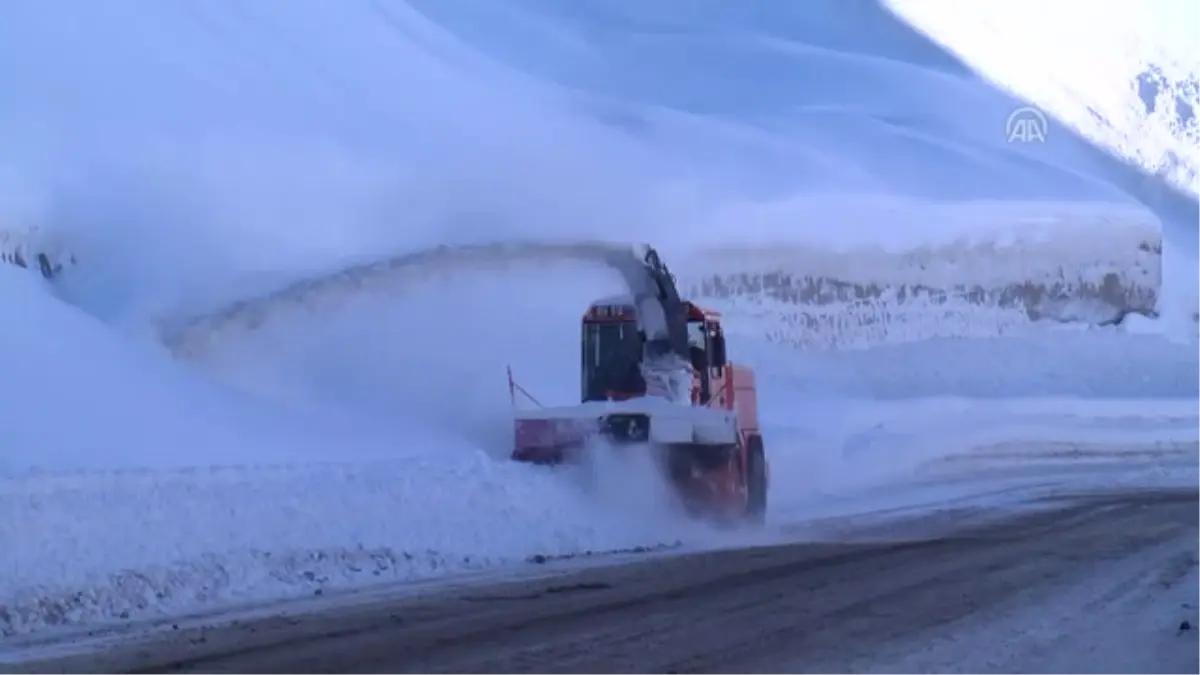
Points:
(1039, 591)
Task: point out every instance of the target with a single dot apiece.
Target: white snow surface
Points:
(180, 158)
(1127, 78)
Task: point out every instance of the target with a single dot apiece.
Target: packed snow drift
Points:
(265, 264)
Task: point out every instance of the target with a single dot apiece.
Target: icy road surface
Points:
(1098, 582)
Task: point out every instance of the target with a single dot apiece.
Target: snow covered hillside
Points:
(272, 142)
(1127, 79)
(252, 349)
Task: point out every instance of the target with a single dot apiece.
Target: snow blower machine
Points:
(655, 379)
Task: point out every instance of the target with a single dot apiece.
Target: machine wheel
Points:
(685, 458)
(756, 481)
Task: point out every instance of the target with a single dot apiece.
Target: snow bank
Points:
(22, 242)
(841, 449)
(983, 269)
(130, 404)
(170, 491)
(1100, 363)
(90, 548)
(29, 249)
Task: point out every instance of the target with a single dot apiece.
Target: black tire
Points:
(756, 481)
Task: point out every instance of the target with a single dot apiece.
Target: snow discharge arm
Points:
(661, 318)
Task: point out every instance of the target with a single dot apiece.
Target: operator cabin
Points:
(612, 350)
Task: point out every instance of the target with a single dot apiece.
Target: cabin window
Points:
(612, 353)
(697, 345)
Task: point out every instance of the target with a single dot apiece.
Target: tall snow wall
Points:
(976, 270)
(984, 270)
(28, 249)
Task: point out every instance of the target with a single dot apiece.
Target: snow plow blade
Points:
(552, 435)
(694, 449)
